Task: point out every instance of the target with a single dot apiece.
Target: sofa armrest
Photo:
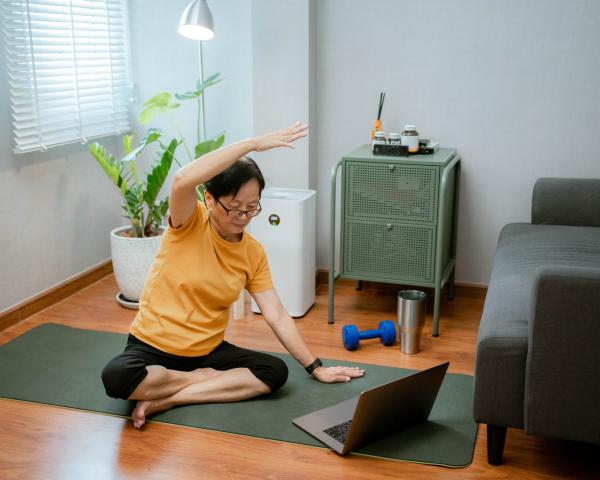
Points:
(566, 201)
(562, 379)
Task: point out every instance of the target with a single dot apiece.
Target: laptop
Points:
(375, 413)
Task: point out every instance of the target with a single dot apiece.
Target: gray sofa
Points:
(538, 348)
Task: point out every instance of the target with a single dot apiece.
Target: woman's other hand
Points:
(281, 138)
(337, 374)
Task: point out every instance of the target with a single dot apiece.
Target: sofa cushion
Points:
(503, 333)
(562, 384)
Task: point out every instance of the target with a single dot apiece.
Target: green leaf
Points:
(156, 215)
(152, 135)
(148, 114)
(211, 80)
(163, 207)
(156, 178)
(200, 189)
(111, 166)
(133, 209)
(159, 103)
(161, 99)
(210, 145)
(127, 140)
(200, 87)
(186, 95)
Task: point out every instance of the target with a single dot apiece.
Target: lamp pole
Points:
(196, 22)
(201, 65)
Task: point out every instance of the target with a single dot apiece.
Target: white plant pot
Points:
(131, 259)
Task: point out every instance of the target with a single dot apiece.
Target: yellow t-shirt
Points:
(195, 277)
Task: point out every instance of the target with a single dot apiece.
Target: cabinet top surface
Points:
(440, 158)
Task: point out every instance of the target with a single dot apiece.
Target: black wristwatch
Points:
(314, 365)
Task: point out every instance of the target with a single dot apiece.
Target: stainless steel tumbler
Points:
(411, 319)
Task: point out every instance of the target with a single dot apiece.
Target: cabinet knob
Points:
(392, 167)
(388, 226)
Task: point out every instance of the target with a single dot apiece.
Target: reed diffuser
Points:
(377, 123)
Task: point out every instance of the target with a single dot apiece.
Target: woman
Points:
(176, 353)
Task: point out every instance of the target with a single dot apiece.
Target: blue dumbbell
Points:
(386, 334)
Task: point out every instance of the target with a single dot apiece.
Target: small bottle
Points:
(410, 138)
(394, 139)
(379, 139)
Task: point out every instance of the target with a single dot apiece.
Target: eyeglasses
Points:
(240, 213)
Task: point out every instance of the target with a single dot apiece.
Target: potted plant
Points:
(133, 247)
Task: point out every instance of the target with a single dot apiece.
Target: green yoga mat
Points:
(58, 365)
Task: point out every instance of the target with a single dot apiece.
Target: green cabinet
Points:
(398, 220)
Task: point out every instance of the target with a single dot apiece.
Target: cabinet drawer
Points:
(388, 251)
(406, 193)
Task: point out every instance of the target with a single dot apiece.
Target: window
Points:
(68, 70)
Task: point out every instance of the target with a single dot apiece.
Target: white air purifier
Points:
(286, 228)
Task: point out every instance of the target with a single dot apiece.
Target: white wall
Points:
(513, 85)
(163, 60)
(58, 207)
(284, 89)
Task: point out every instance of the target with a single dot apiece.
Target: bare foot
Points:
(145, 408)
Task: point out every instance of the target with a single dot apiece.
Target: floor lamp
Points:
(196, 22)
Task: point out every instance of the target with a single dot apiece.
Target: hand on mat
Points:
(281, 138)
(337, 374)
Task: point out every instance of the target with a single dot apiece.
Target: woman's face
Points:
(231, 225)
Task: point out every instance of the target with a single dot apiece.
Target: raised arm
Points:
(182, 199)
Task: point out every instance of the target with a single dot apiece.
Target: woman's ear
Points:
(208, 199)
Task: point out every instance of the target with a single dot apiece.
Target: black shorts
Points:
(125, 372)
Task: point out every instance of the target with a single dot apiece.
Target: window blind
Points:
(68, 70)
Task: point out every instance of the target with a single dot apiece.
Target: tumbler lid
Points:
(415, 295)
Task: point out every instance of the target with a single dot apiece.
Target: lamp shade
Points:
(196, 21)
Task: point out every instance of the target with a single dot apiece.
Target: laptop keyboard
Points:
(339, 431)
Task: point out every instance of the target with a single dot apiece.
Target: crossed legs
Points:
(160, 380)
(163, 389)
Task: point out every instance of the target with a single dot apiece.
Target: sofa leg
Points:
(495, 438)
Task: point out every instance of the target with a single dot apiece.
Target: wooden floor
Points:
(44, 442)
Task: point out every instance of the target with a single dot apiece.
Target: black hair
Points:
(230, 180)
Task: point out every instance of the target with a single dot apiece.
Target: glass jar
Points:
(379, 138)
(394, 139)
(410, 138)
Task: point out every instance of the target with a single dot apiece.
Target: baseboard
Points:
(54, 294)
(472, 284)
(322, 278)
